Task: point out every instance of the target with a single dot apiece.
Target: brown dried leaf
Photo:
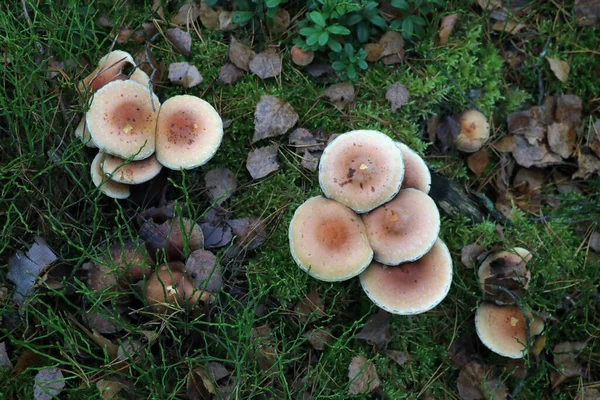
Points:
(273, 117)
(587, 393)
(528, 155)
(262, 161)
(187, 14)
(216, 234)
(49, 382)
(101, 324)
(302, 139)
(184, 74)
(180, 39)
(447, 24)
(511, 26)
(374, 51)
(588, 165)
(266, 64)
(376, 331)
(462, 351)
(140, 60)
(362, 375)
(230, 74)
(310, 307)
(318, 338)
(447, 132)
(226, 23)
(477, 382)
(568, 109)
(250, 232)
(109, 389)
(204, 269)
(508, 274)
(565, 361)
(208, 16)
(398, 95)
(126, 34)
(587, 12)
(196, 386)
(221, 184)
(217, 371)
(310, 161)
(282, 21)
(469, 254)
(506, 144)
(479, 161)
(529, 181)
(432, 125)
(340, 94)
(399, 357)
(393, 45)
(392, 59)
(560, 68)
(240, 54)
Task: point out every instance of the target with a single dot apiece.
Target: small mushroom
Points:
(132, 172)
(83, 133)
(410, 288)
(104, 183)
(122, 120)
(300, 57)
(110, 69)
(403, 229)
(361, 169)
(329, 241)
(416, 173)
(474, 131)
(506, 269)
(170, 236)
(188, 132)
(503, 330)
(140, 77)
(167, 286)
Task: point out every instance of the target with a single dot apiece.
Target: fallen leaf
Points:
(399, 357)
(250, 232)
(511, 26)
(565, 361)
(310, 161)
(221, 184)
(127, 34)
(538, 345)
(568, 109)
(49, 382)
(150, 65)
(470, 253)
(266, 64)
(167, 237)
(129, 351)
(302, 139)
(281, 21)
(463, 350)
(589, 164)
(158, 8)
(187, 14)
(564, 184)
(374, 51)
(477, 382)
(310, 308)
(447, 131)
(196, 385)
(204, 269)
(432, 125)
(595, 242)
(528, 155)
(318, 338)
(479, 161)
(587, 12)
(230, 74)
(208, 16)
(340, 94)
(362, 375)
(4, 358)
(109, 389)
(560, 68)
(26, 360)
(392, 59)
(398, 95)
(216, 235)
(489, 5)
(180, 39)
(587, 394)
(240, 54)
(262, 161)
(393, 45)
(226, 23)
(506, 144)
(184, 74)
(101, 324)
(376, 331)
(273, 117)
(448, 23)
(323, 71)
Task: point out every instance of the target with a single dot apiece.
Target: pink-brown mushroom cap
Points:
(109, 187)
(133, 172)
(328, 240)
(403, 229)
(110, 69)
(121, 120)
(410, 288)
(474, 131)
(502, 329)
(515, 255)
(361, 169)
(416, 173)
(188, 132)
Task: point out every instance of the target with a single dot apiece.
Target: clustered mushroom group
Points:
(137, 135)
(377, 221)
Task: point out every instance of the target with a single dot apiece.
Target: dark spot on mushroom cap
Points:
(351, 172)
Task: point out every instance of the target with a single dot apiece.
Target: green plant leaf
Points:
(242, 17)
(417, 20)
(272, 3)
(353, 19)
(323, 38)
(317, 18)
(352, 72)
(362, 64)
(211, 3)
(338, 30)
(400, 4)
(338, 65)
(362, 32)
(334, 45)
(408, 27)
(312, 39)
(396, 24)
(348, 49)
(309, 30)
(378, 20)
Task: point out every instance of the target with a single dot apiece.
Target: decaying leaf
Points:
(432, 124)
(511, 26)
(109, 389)
(588, 394)
(587, 12)
(506, 144)
(310, 308)
(374, 51)
(226, 23)
(399, 357)
(262, 161)
(318, 338)
(589, 164)
(240, 54)
(208, 16)
(281, 21)
(565, 361)
(479, 161)
(560, 68)
(204, 269)
(221, 184)
(184, 74)
(528, 155)
(249, 232)
(216, 234)
(478, 382)
(230, 74)
(340, 94)
(398, 95)
(595, 241)
(266, 64)
(463, 350)
(49, 382)
(470, 253)
(529, 181)
(377, 330)
(362, 375)
(302, 139)
(447, 131)
(99, 323)
(568, 109)
(393, 46)
(4, 358)
(187, 14)
(180, 39)
(150, 66)
(448, 23)
(310, 161)
(273, 117)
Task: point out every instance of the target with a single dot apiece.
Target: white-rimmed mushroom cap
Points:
(361, 169)
(403, 229)
(502, 329)
(108, 187)
(110, 68)
(517, 257)
(410, 288)
(188, 132)
(83, 133)
(121, 120)
(328, 240)
(140, 77)
(474, 131)
(416, 173)
(132, 172)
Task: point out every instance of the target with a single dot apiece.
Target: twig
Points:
(28, 19)
(154, 70)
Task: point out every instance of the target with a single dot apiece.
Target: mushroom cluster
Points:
(377, 221)
(135, 134)
(501, 324)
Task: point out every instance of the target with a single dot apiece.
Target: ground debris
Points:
(310, 308)
(318, 338)
(447, 24)
(221, 183)
(397, 95)
(447, 131)
(49, 382)
(560, 68)
(565, 361)
(4, 358)
(273, 117)
(479, 161)
(184, 74)
(587, 12)
(399, 357)
(250, 233)
(266, 64)
(180, 39)
(340, 94)
(240, 54)
(362, 375)
(187, 14)
(204, 269)
(262, 161)
(470, 253)
(478, 382)
(216, 234)
(377, 330)
(109, 389)
(230, 74)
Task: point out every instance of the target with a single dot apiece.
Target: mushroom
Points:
(503, 330)
(133, 172)
(170, 237)
(122, 120)
(83, 133)
(506, 269)
(140, 77)
(188, 132)
(300, 57)
(107, 186)
(110, 69)
(410, 288)
(361, 169)
(168, 286)
(403, 229)
(416, 173)
(329, 241)
(474, 131)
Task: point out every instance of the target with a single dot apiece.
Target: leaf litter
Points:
(262, 161)
(266, 64)
(49, 383)
(362, 376)
(273, 117)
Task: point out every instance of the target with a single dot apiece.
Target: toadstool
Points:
(107, 186)
(110, 69)
(300, 57)
(167, 286)
(133, 172)
(416, 173)
(474, 131)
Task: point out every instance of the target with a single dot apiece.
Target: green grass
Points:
(46, 190)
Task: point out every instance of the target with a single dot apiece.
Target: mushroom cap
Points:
(169, 237)
(474, 131)
(83, 133)
(121, 120)
(167, 286)
(416, 172)
(502, 329)
(403, 229)
(188, 132)
(300, 57)
(133, 172)
(109, 187)
(410, 288)
(361, 169)
(130, 259)
(140, 77)
(110, 69)
(516, 256)
(329, 241)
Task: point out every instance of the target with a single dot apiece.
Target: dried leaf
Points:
(479, 161)
(447, 132)
(477, 382)
(432, 125)
(587, 12)
(4, 358)
(282, 21)
(187, 14)
(180, 39)
(262, 161)
(528, 155)
(150, 65)
(26, 360)
(101, 324)
(398, 95)
(49, 382)
(560, 68)
(310, 308)
(109, 389)
(469, 254)
(266, 64)
(587, 393)
(508, 272)
(595, 242)
(376, 331)
(302, 139)
(588, 165)
(196, 386)
(208, 16)
(250, 232)
(511, 26)
(230, 74)
(399, 357)
(374, 51)
(462, 351)
(204, 269)
(226, 23)
(323, 71)
(240, 54)
(565, 361)
(340, 94)
(448, 23)
(216, 235)
(221, 184)
(318, 338)
(362, 375)
(184, 74)
(506, 144)
(568, 109)
(310, 161)
(393, 45)
(273, 117)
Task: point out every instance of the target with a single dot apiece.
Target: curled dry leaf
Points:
(262, 161)
(49, 382)
(204, 269)
(184, 74)
(448, 23)
(221, 184)
(250, 232)
(273, 117)
(377, 330)
(266, 64)
(216, 234)
(506, 144)
(302, 139)
(180, 39)
(479, 161)
(398, 95)
(230, 74)
(478, 382)
(399, 357)
(560, 68)
(310, 161)
(568, 109)
(529, 181)
(4, 358)
(528, 155)
(208, 16)
(109, 389)
(589, 164)
(318, 338)
(310, 308)
(463, 350)
(240, 54)
(187, 14)
(470, 253)
(565, 361)
(340, 94)
(362, 375)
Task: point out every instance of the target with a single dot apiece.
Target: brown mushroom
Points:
(474, 131)
(416, 173)
(110, 69)
(130, 172)
(106, 185)
(300, 57)
(505, 269)
(168, 239)
(166, 286)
